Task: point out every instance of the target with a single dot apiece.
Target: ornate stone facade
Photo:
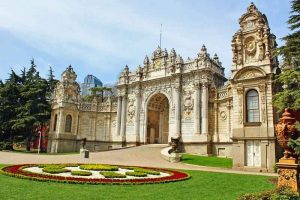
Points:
(171, 97)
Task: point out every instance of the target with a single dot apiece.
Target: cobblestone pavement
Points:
(147, 155)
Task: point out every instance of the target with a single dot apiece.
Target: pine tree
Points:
(291, 50)
(51, 82)
(9, 103)
(35, 109)
(289, 95)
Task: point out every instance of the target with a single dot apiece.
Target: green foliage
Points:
(99, 167)
(81, 173)
(210, 161)
(283, 193)
(59, 166)
(24, 103)
(97, 92)
(54, 170)
(6, 145)
(291, 50)
(136, 174)
(295, 144)
(112, 175)
(289, 95)
(146, 171)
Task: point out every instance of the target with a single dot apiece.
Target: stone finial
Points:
(68, 75)
(203, 52)
(251, 7)
(173, 53)
(203, 48)
(146, 60)
(126, 71)
(179, 60)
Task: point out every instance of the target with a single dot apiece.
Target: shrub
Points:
(55, 170)
(81, 173)
(136, 174)
(6, 145)
(112, 175)
(146, 171)
(58, 166)
(99, 167)
(283, 193)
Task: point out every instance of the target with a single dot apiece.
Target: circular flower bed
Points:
(94, 173)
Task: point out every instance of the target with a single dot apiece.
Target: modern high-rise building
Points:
(90, 81)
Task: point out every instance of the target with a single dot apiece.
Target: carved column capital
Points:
(197, 85)
(262, 87)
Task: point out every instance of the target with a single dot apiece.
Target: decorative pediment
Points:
(249, 73)
(252, 19)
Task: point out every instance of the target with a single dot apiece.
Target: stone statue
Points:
(175, 144)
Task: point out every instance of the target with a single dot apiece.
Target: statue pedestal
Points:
(175, 157)
(288, 173)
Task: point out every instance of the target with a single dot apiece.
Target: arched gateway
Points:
(170, 96)
(157, 119)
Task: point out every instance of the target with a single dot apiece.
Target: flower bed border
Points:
(16, 171)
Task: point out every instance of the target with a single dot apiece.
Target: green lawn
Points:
(210, 161)
(202, 185)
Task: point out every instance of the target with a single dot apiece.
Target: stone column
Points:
(197, 108)
(177, 110)
(216, 128)
(123, 120)
(137, 116)
(119, 113)
(204, 108)
(59, 128)
(229, 120)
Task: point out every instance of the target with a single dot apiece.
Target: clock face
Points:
(157, 64)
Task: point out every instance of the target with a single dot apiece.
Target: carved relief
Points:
(262, 90)
(250, 49)
(288, 177)
(113, 123)
(188, 106)
(240, 92)
(131, 110)
(223, 115)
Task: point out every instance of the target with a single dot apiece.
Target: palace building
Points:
(168, 97)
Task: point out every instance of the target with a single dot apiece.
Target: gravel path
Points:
(146, 156)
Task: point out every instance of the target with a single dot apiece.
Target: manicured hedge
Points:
(146, 171)
(99, 167)
(112, 175)
(81, 173)
(136, 174)
(55, 170)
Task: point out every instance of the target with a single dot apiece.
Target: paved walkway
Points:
(147, 155)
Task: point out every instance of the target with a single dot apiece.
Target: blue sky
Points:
(101, 37)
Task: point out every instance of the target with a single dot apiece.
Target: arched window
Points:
(252, 105)
(68, 123)
(55, 122)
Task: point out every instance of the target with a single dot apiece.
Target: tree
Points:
(9, 103)
(97, 92)
(289, 95)
(291, 50)
(35, 107)
(51, 82)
